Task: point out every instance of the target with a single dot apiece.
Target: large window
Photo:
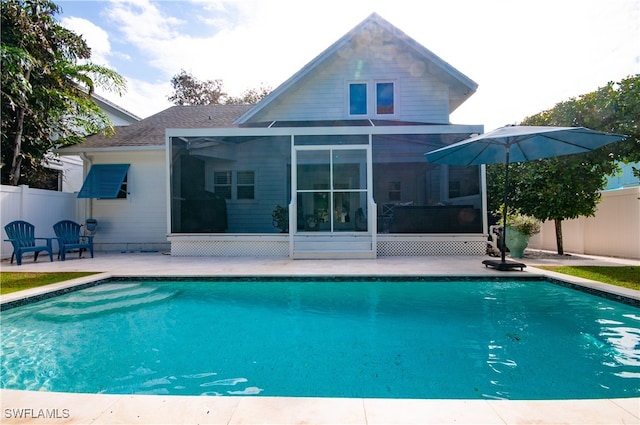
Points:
(228, 184)
(416, 197)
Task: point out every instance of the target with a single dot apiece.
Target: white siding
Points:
(139, 221)
(322, 95)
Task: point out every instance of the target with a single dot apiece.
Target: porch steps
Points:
(333, 247)
(103, 299)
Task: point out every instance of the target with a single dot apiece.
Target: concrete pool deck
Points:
(44, 407)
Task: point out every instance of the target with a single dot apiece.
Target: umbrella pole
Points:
(504, 264)
(503, 236)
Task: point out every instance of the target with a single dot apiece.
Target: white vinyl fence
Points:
(42, 208)
(613, 232)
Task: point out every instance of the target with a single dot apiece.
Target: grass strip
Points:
(17, 281)
(623, 276)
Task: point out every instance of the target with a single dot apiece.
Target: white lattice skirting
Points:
(278, 246)
(403, 248)
(229, 246)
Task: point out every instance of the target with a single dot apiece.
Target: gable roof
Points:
(461, 86)
(112, 108)
(150, 132)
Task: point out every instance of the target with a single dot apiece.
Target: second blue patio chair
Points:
(21, 234)
(69, 238)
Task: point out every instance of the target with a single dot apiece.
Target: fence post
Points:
(24, 192)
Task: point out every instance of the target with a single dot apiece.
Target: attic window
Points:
(357, 99)
(384, 99)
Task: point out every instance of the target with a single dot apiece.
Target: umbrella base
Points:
(504, 265)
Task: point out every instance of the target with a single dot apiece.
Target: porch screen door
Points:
(331, 188)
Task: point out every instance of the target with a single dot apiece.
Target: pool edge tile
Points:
(416, 411)
(158, 409)
(632, 405)
(594, 412)
(287, 410)
(54, 408)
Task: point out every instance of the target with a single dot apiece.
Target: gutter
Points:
(72, 151)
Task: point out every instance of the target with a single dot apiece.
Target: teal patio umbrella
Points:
(518, 144)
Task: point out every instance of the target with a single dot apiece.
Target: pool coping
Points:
(71, 408)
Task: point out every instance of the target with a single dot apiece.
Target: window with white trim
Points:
(246, 183)
(222, 183)
(385, 98)
(357, 98)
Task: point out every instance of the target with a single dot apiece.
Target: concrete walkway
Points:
(156, 263)
(42, 407)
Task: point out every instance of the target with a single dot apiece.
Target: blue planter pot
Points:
(516, 242)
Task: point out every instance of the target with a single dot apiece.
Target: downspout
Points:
(88, 201)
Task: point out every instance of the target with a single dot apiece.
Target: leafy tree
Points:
(249, 96)
(188, 90)
(47, 82)
(568, 187)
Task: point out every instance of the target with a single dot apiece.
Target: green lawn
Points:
(17, 281)
(624, 276)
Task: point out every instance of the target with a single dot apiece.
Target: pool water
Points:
(466, 339)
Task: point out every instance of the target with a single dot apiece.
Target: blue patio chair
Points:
(21, 234)
(69, 238)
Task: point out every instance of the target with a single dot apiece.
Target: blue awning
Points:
(104, 181)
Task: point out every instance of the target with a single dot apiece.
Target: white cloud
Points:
(142, 22)
(96, 38)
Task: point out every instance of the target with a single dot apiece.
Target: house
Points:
(341, 144)
(624, 178)
(69, 167)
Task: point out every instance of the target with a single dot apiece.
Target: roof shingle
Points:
(151, 130)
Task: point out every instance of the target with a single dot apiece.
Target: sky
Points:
(525, 55)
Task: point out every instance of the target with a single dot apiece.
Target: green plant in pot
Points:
(280, 217)
(520, 228)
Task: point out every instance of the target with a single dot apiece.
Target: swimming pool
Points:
(391, 338)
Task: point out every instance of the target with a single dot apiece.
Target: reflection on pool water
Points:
(505, 339)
